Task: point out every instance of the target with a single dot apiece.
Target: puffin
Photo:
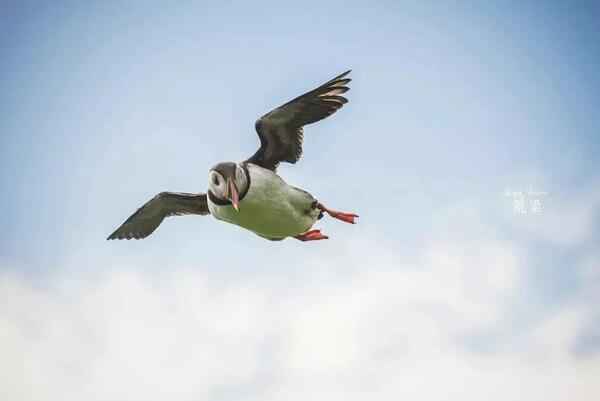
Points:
(251, 194)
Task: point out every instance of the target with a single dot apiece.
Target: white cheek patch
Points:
(217, 189)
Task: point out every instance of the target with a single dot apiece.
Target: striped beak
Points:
(233, 195)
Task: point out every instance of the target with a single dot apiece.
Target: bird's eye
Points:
(215, 179)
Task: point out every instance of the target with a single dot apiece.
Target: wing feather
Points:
(148, 217)
(280, 131)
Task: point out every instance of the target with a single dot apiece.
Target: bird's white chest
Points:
(271, 208)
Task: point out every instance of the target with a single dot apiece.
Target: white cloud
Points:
(354, 326)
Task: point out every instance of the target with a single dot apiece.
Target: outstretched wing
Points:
(147, 218)
(280, 131)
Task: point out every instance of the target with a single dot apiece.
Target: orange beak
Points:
(233, 195)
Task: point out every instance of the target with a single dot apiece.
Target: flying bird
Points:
(251, 194)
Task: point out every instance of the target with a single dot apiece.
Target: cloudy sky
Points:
(445, 290)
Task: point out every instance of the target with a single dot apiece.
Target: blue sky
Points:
(105, 104)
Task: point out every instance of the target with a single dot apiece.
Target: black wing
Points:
(280, 131)
(147, 218)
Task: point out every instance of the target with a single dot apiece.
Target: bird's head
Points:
(226, 181)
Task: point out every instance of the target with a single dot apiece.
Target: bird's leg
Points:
(312, 235)
(347, 217)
